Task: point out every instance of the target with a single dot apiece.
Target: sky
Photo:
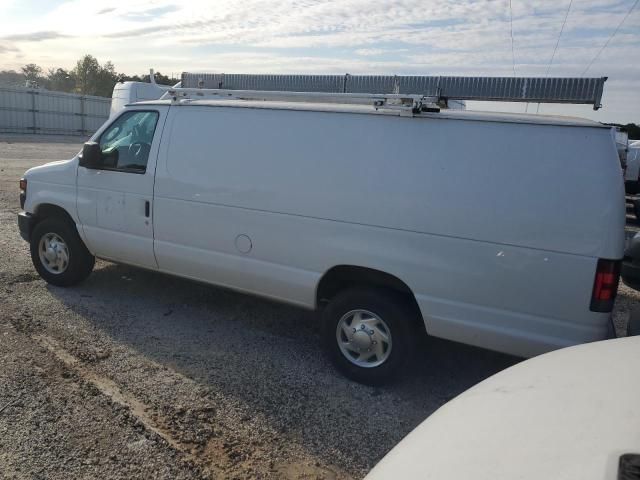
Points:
(402, 37)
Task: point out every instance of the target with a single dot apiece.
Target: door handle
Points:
(147, 208)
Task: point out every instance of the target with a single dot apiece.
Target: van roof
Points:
(444, 114)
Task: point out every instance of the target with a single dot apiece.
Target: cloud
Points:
(137, 32)
(164, 29)
(149, 14)
(8, 48)
(34, 36)
(374, 52)
(106, 10)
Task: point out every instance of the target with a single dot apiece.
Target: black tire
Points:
(636, 208)
(396, 312)
(80, 261)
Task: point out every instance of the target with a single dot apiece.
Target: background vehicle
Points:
(632, 171)
(125, 93)
(331, 206)
(542, 418)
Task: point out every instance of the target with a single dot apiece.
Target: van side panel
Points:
(499, 182)
(496, 237)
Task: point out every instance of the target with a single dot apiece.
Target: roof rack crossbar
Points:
(403, 102)
(504, 89)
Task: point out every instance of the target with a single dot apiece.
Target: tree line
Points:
(88, 77)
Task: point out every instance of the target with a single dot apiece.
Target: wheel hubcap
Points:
(53, 253)
(364, 338)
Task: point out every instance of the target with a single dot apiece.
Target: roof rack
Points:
(504, 89)
(406, 104)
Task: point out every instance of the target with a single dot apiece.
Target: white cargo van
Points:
(497, 230)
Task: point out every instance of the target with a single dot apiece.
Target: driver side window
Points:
(126, 144)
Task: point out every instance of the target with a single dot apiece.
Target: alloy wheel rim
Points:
(53, 253)
(364, 338)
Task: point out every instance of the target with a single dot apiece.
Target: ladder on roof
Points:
(502, 89)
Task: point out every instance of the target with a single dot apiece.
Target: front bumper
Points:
(26, 221)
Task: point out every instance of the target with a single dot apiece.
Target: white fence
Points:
(25, 110)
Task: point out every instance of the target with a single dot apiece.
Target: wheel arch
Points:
(50, 210)
(44, 211)
(341, 277)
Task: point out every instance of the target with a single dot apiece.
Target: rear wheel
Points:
(59, 254)
(369, 334)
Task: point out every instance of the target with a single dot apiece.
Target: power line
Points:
(513, 54)
(566, 15)
(610, 38)
(553, 55)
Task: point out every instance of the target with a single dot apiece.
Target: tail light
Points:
(605, 285)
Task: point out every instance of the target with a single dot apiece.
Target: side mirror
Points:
(91, 155)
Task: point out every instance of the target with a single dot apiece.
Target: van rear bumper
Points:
(26, 221)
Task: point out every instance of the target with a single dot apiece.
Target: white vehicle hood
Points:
(568, 414)
(62, 172)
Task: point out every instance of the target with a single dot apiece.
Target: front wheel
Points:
(369, 334)
(59, 254)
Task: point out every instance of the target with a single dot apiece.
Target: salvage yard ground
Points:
(135, 374)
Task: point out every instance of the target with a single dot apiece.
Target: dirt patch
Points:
(55, 424)
(214, 456)
(138, 410)
(22, 278)
(25, 323)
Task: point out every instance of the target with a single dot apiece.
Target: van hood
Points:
(567, 414)
(61, 172)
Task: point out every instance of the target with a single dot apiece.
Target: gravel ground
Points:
(135, 374)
